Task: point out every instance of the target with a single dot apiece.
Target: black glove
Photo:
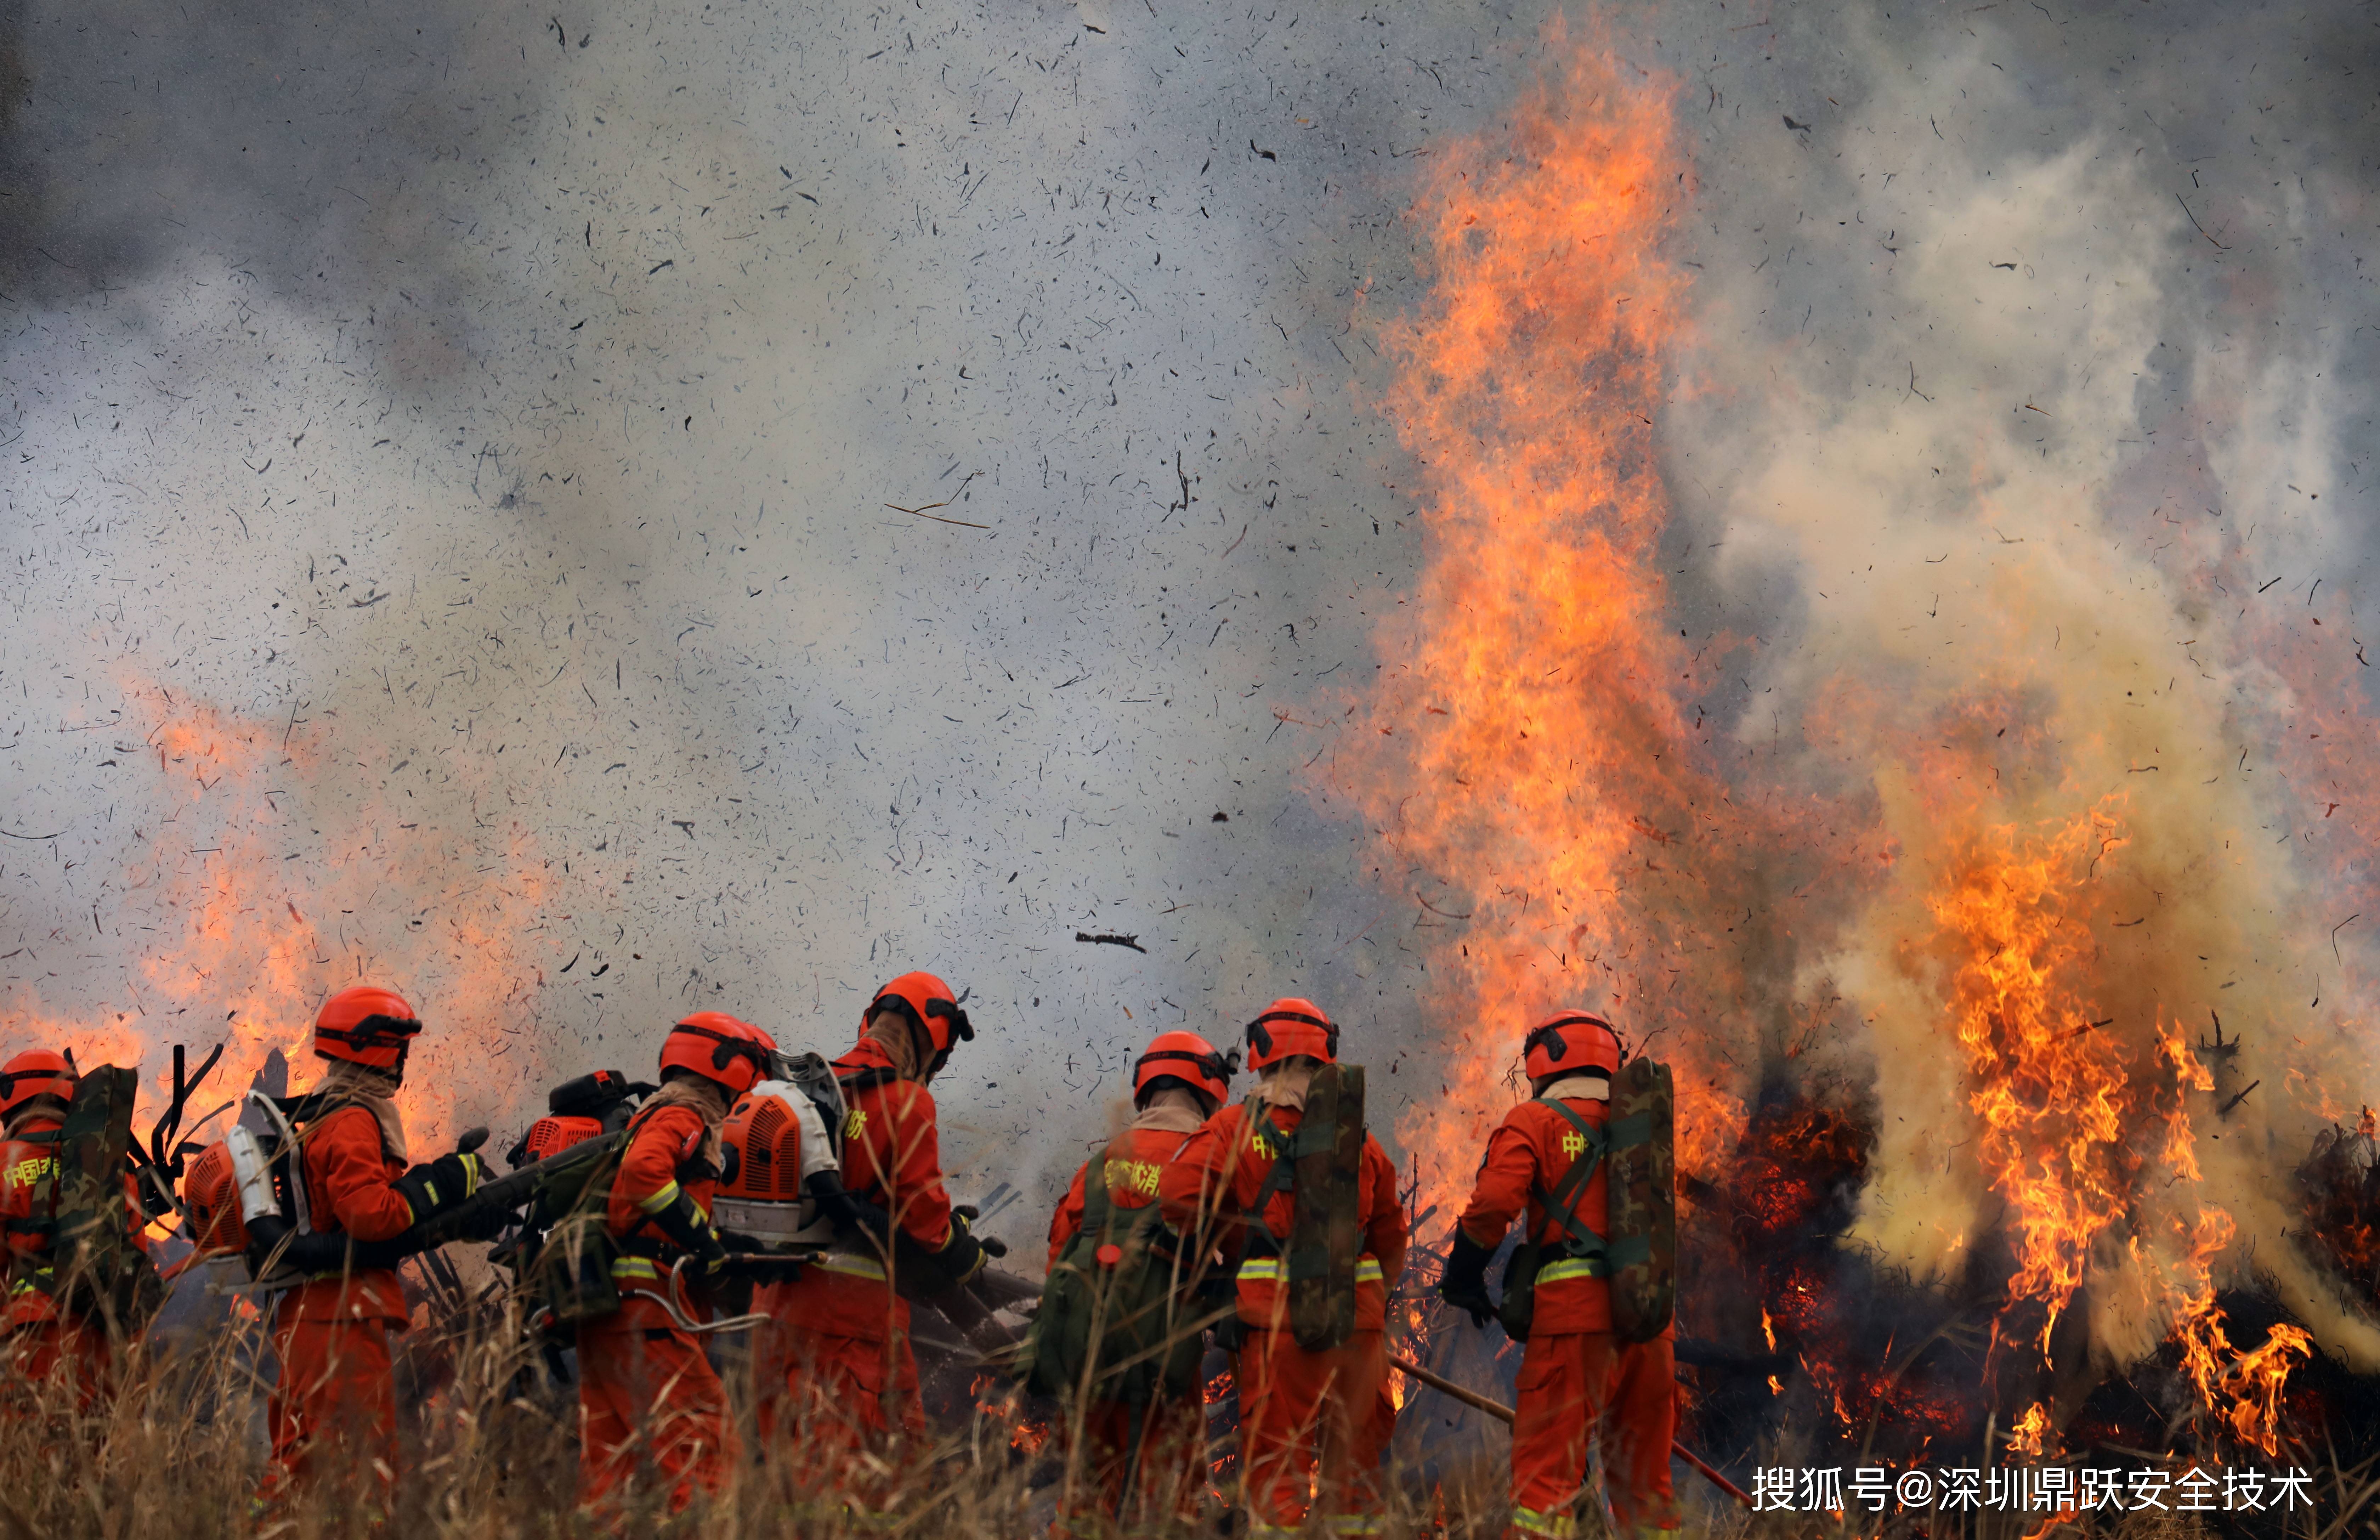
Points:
(271, 1239)
(963, 1224)
(486, 1226)
(691, 1228)
(441, 1185)
(922, 1274)
(850, 1215)
(1465, 1284)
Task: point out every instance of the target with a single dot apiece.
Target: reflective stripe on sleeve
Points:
(1267, 1270)
(661, 1199)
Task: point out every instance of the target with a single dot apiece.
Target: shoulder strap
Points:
(1562, 1202)
(599, 1172)
(1095, 1195)
(866, 1079)
(307, 1113)
(1281, 1177)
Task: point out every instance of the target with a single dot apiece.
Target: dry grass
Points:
(490, 1451)
(177, 1449)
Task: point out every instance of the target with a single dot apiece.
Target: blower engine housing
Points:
(211, 1187)
(780, 1135)
(551, 1136)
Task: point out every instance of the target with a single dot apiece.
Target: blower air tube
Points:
(273, 1242)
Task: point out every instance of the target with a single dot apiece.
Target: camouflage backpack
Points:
(1319, 1165)
(1115, 1322)
(1638, 1251)
(96, 1264)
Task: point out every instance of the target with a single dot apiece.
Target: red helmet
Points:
(35, 1073)
(1572, 1042)
(718, 1046)
(1186, 1059)
(1290, 1027)
(366, 1026)
(928, 1003)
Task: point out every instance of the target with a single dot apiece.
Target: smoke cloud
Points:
(587, 517)
(2036, 385)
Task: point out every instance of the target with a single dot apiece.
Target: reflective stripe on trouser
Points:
(1556, 1527)
(848, 1266)
(1325, 1415)
(1573, 1383)
(648, 1397)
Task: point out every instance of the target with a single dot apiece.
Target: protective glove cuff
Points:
(691, 1230)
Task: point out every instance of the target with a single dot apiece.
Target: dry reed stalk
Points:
(176, 1452)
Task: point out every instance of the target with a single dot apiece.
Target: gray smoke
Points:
(453, 467)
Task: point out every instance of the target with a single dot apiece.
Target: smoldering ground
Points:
(605, 511)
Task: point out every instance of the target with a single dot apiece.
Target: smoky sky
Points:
(278, 138)
(527, 404)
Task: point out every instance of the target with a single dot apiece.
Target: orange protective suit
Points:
(842, 1337)
(1319, 1417)
(646, 1392)
(45, 1336)
(1161, 1446)
(333, 1407)
(1575, 1376)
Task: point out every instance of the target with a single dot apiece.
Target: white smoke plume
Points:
(2030, 403)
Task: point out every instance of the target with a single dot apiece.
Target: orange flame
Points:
(1533, 752)
(2245, 1394)
(2031, 1429)
(1556, 810)
(235, 919)
(2053, 1096)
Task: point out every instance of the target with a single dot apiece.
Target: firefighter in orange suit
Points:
(333, 1408)
(44, 1333)
(841, 1336)
(646, 1394)
(1176, 1086)
(1576, 1377)
(1290, 1398)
